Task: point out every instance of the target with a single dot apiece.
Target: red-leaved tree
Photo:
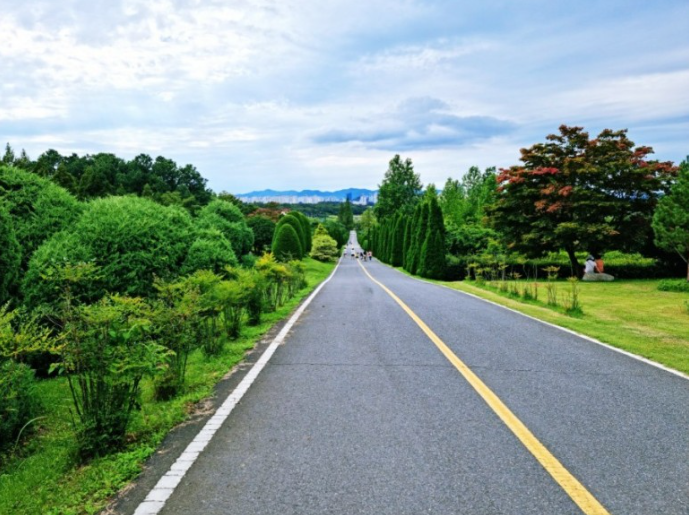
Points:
(573, 193)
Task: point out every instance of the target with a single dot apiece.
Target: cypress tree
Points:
(432, 260)
(286, 244)
(289, 219)
(418, 238)
(407, 242)
(398, 241)
(306, 228)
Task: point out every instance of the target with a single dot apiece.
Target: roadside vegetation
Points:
(520, 236)
(119, 312)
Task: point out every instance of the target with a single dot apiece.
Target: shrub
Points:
(132, 240)
(106, 352)
(286, 244)
(324, 248)
(38, 208)
(229, 220)
(174, 317)
(676, 285)
(337, 232)
(210, 251)
(19, 402)
(292, 220)
(263, 229)
(10, 257)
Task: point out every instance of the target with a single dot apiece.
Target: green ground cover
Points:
(41, 476)
(631, 315)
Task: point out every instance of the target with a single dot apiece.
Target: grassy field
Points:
(42, 478)
(630, 315)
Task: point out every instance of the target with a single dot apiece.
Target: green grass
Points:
(42, 476)
(631, 315)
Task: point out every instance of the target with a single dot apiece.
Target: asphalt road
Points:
(359, 413)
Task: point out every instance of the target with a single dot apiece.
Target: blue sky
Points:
(297, 94)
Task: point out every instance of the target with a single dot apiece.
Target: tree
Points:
(337, 232)
(306, 229)
(345, 215)
(578, 194)
(432, 261)
(671, 218)
(292, 220)
(10, 257)
(399, 190)
(286, 244)
(263, 229)
(8, 157)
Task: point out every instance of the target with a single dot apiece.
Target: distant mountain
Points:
(309, 196)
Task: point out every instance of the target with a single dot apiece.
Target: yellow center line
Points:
(578, 492)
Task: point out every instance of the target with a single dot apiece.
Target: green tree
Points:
(306, 229)
(324, 247)
(10, 257)
(298, 228)
(345, 215)
(432, 260)
(8, 156)
(337, 232)
(263, 229)
(399, 190)
(671, 218)
(580, 194)
(286, 244)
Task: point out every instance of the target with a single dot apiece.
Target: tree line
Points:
(572, 194)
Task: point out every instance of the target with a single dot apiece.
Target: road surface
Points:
(359, 412)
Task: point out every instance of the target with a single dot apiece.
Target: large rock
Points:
(598, 277)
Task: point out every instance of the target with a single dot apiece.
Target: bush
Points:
(38, 208)
(132, 240)
(337, 232)
(229, 220)
(107, 351)
(263, 229)
(287, 243)
(293, 220)
(10, 257)
(19, 402)
(677, 285)
(324, 248)
(210, 251)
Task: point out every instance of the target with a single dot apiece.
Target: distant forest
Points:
(161, 179)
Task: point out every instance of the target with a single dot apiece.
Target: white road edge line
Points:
(157, 497)
(570, 331)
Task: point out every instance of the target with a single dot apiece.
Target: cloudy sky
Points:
(295, 94)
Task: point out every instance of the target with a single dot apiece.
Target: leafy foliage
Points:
(574, 193)
(19, 403)
(345, 215)
(671, 218)
(132, 240)
(210, 251)
(263, 229)
(10, 257)
(287, 243)
(399, 190)
(229, 220)
(324, 247)
(38, 208)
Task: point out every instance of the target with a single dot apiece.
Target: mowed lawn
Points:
(630, 315)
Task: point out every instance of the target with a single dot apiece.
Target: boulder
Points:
(598, 277)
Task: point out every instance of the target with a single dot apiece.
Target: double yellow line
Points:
(578, 492)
